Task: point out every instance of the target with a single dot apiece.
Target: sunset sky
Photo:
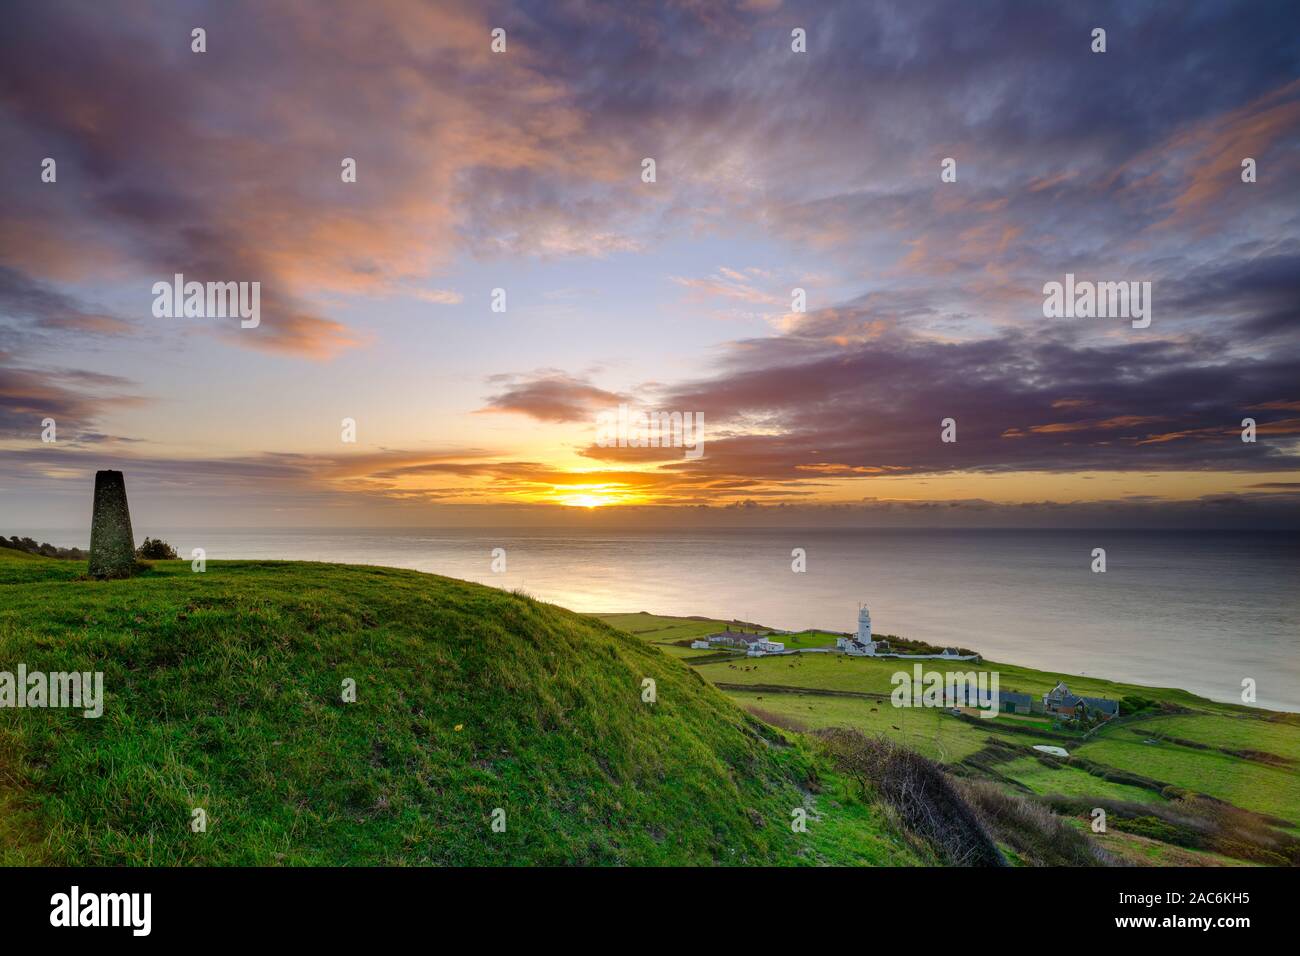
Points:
(775, 170)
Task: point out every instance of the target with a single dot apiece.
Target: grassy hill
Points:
(223, 691)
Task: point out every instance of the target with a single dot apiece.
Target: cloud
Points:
(788, 406)
(551, 396)
(75, 398)
(36, 307)
(439, 296)
(536, 153)
(225, 166)
(1259, 294)
(727, 283)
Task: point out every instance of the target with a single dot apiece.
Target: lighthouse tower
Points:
(864, 624)
(861, 644)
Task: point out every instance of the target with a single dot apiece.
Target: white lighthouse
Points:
(864, 625)
(861, 644)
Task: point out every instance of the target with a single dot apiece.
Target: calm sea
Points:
(1198, 610)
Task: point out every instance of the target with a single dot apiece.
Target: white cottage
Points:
(755, 644)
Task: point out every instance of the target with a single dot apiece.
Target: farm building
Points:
(755, 645)
(1012, 703)
(1061, 702)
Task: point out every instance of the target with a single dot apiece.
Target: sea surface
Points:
(1192, 609)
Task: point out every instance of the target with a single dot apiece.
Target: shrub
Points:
(156, 549)
(1132, 704)
(1197, 823)
(44, 549)
(1154, 829)
(1039, 836)
(923, 796)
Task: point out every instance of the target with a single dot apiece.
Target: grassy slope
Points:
(223, 692)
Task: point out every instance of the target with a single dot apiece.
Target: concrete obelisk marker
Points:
(112, 546)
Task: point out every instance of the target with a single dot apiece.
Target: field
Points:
(1041, 778)
(1278, 737)
(660, 630)
(925, 731)
(1264, 789)
(1244, 756)
(806, 639)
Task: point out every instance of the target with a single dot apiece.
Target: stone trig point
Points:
(112, 546)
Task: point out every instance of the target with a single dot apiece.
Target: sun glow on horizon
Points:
(595, 496)
(586, 501)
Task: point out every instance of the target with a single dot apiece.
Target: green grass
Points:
(686, 653)
(661, 630)
(929, 732)
(17, 555)
(807, 639)
(223, 692)
(1071, 781)
(1279, 737)
(1248, 785)
(845, 829)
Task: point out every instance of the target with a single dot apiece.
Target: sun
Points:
(595, 495)
(587, 501)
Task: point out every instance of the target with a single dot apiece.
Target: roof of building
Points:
(1063, 695)
(1103, 704)
(738, 636)
(1015, 698)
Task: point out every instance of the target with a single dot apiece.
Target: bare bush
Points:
(923, 796)
(1039, 836)
(1198, 823)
